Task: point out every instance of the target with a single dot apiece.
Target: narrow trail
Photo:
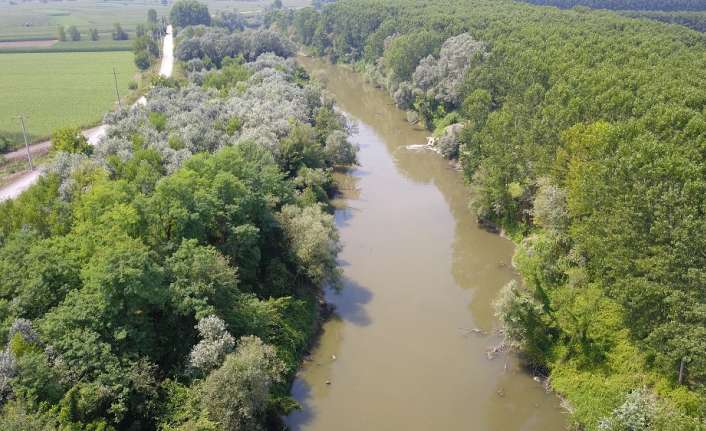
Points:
(93, 135)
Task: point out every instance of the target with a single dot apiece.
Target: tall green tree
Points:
(189, 12)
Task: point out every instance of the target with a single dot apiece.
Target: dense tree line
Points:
(209, 45)
(693, 20)
(663, 5)
(582, 134)
(147, 40)
(169, 277)
(189, 12)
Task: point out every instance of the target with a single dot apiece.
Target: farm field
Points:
(59, 89)
(36, 20)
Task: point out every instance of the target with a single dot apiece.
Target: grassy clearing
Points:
(59, 89)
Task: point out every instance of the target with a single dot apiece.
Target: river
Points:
(403, 351)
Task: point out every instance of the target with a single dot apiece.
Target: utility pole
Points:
(24, 133)
(682, 365)
(117, 93)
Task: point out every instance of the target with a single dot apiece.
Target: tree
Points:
(118, 32)
(152, 16)
(305, 22)
(550, 207)
(215, 344)
(313, 238)
(232, 20)
(70, 140)
(442, 78)
(235, 395)
(74, 34)
(147, 44)
(189, 12)
(142, 60)
(93, 34)
(201, 281)
(339, 150)
(404, 52)
(61, 33)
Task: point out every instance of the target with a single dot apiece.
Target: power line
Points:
(24, 133)
(115, 76)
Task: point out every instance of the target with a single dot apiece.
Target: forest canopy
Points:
(661, 5)
(170, 280)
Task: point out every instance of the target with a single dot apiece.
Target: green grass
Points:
(59, 89)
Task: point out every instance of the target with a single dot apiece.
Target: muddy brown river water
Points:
(403, 351)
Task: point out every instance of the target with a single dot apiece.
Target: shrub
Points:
(70, 140)
(215, 344)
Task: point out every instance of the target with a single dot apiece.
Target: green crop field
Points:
(33, 19)
(37, 20)
(59, 89)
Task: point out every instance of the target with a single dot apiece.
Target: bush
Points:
(118, 32)
(215, 344)
(61, 33)
(5, 143)
(158, 120)
(142, 60)
(70, 140)
(74, 34)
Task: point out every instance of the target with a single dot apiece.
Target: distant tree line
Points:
(660, 5)
(693, 20)
(71, 33)
(148, 36)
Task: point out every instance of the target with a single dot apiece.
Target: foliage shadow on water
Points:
(350, 301)
(343, 216)
(301, 391)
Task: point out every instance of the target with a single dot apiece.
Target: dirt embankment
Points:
(39, 43)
